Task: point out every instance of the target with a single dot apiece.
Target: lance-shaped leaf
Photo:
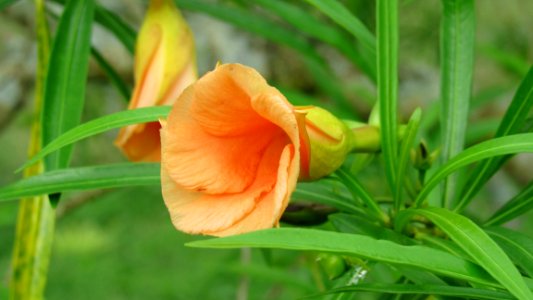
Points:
(457, 63)
(517, 245)
(476, 243)
(513, 122)
(519, 205)
(496, 147)
(66, 78)
(421, 289)
(84, 178)
(99, 125)
(361, 246)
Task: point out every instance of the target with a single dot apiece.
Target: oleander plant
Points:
(240, 181)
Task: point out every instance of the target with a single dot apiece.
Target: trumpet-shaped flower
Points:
(164, 67)
(230, 154)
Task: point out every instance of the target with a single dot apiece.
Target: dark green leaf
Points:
(356, 245)
(439, 290)
(320, 193)
(519, 205)
(112, 22)
(513, 122)
(342, 16)
(116, 80)
(519, 247)
(360, 225)
(64, 92)
(476, 243)
(84, 178)
(359, 192)
(496, 147)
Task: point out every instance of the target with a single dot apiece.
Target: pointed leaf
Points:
(457, 63)
(513, 122)
(511, 144)
(519, 205)
(66, 78)
(410, 289)
(99, 125)
(474, 241)
(356, 245)
(84, 178)
(518, 246)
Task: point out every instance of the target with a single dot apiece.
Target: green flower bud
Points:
(326, 142)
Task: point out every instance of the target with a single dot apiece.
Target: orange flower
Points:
(230, 154)
(164, 67)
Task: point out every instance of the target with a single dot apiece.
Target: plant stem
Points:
(36, 217)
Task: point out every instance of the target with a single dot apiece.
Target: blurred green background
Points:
(120, 244)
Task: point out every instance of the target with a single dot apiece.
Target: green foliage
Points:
(457, 60)
(374, 216)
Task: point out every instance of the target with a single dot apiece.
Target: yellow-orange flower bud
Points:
(164, 66)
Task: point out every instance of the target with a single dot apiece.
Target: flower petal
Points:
(222, 101)
(213, 164)
(269, 207)
(197, 212)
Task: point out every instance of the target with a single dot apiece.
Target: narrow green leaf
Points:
(518, 205)
(511, 144)
(405, 155)
(457, 63)
(445, 245)
(114, 77)
(359, 192)
(357, 245)
(6, 3)
(112, 22)
(273, 31)
(307, 23)
(362, 225)
(513, 122)
(84, 178)
(342, 16)
(66, 78)
(99, 125)
(438, 290)
(474, 241)
(387, 62)
(518, 246)
(313, 192)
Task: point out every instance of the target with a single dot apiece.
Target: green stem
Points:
(36, 217)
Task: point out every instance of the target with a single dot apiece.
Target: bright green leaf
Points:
(518, 246)
(64, 90)
(84, 178)
(357, 245)
(476, 243)
(457, 63)
(496, 147)
(99, 125)
(411, 289)
(513, 122)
